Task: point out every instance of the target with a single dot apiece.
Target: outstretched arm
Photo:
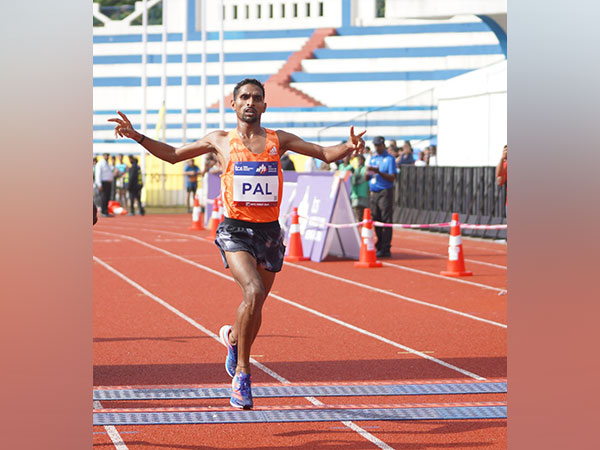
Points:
(162, 150)
(355, 144)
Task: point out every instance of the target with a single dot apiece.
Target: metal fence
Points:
(423, 195)
(432, 194)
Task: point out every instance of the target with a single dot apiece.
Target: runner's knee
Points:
(254, 292)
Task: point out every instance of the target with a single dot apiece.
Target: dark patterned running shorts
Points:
(264, 241)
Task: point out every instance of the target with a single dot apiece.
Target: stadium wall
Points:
(472, 117)
(391, 87)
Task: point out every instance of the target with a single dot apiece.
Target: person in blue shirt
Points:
(191, 182)
(382, 174)
(406, 157)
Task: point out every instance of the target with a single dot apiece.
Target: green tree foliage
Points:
(115, 2)
(119, 9)
(154, 16)
(380, 8)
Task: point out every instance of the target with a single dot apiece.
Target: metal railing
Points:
(424, 99)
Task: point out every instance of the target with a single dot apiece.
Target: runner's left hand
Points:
(357, 141)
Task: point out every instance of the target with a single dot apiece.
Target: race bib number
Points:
(255, 183)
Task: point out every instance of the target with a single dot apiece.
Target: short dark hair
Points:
(245, 81)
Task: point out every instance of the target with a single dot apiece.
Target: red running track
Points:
(161, 294)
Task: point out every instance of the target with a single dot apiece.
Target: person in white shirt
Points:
(431, 156)
(310, 165)
(104, 181)
(421, 159)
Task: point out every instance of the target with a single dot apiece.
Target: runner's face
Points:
(249, 104)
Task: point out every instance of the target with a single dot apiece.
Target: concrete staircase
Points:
(279, 93)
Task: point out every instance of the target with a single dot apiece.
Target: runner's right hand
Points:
(123, 127)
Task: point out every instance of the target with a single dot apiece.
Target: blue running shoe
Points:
(231, 361)
(241, 391)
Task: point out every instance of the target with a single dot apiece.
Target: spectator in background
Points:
(104, 182)
(310, 165)
(325, 166)
(287, 163)
(360, 189)
(392, 148)
(392, 143)
(406, 157)
(97, 196)
(211, 164)
(392, 151)
(344, 165)
(382, 173)
(121, 181)
(502, 168)
(426, 155)
(502, 172)
(191, 182)
(421, 159)
(135, 186)
(432, 160)
(341, 164)
(113, 164)
(368, 153)
(96, 192)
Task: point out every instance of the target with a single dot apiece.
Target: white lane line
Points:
(402, 297)
(379, 443)
(366, 286)
(432, 240)
(379, 338)
(312, 311)
(435, 275)
(420, 252)
(112, 432)
(437, 255)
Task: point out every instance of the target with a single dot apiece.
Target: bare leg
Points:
(267, 279)
(255, 283)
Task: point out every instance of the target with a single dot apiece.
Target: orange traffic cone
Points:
(295, 243)
(367, 247)
(115, 208)
(214, 219)
(456, 262)
(197, 216)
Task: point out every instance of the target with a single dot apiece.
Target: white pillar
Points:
(221, 70)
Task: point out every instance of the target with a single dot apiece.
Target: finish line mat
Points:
(325, 413)
(308, 390)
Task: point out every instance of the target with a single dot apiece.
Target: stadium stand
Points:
(403, 60)
(318, 79)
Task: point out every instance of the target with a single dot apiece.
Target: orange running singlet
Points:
(251, 185)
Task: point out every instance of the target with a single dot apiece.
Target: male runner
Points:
(250, 238)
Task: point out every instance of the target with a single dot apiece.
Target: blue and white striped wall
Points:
(378, 77)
